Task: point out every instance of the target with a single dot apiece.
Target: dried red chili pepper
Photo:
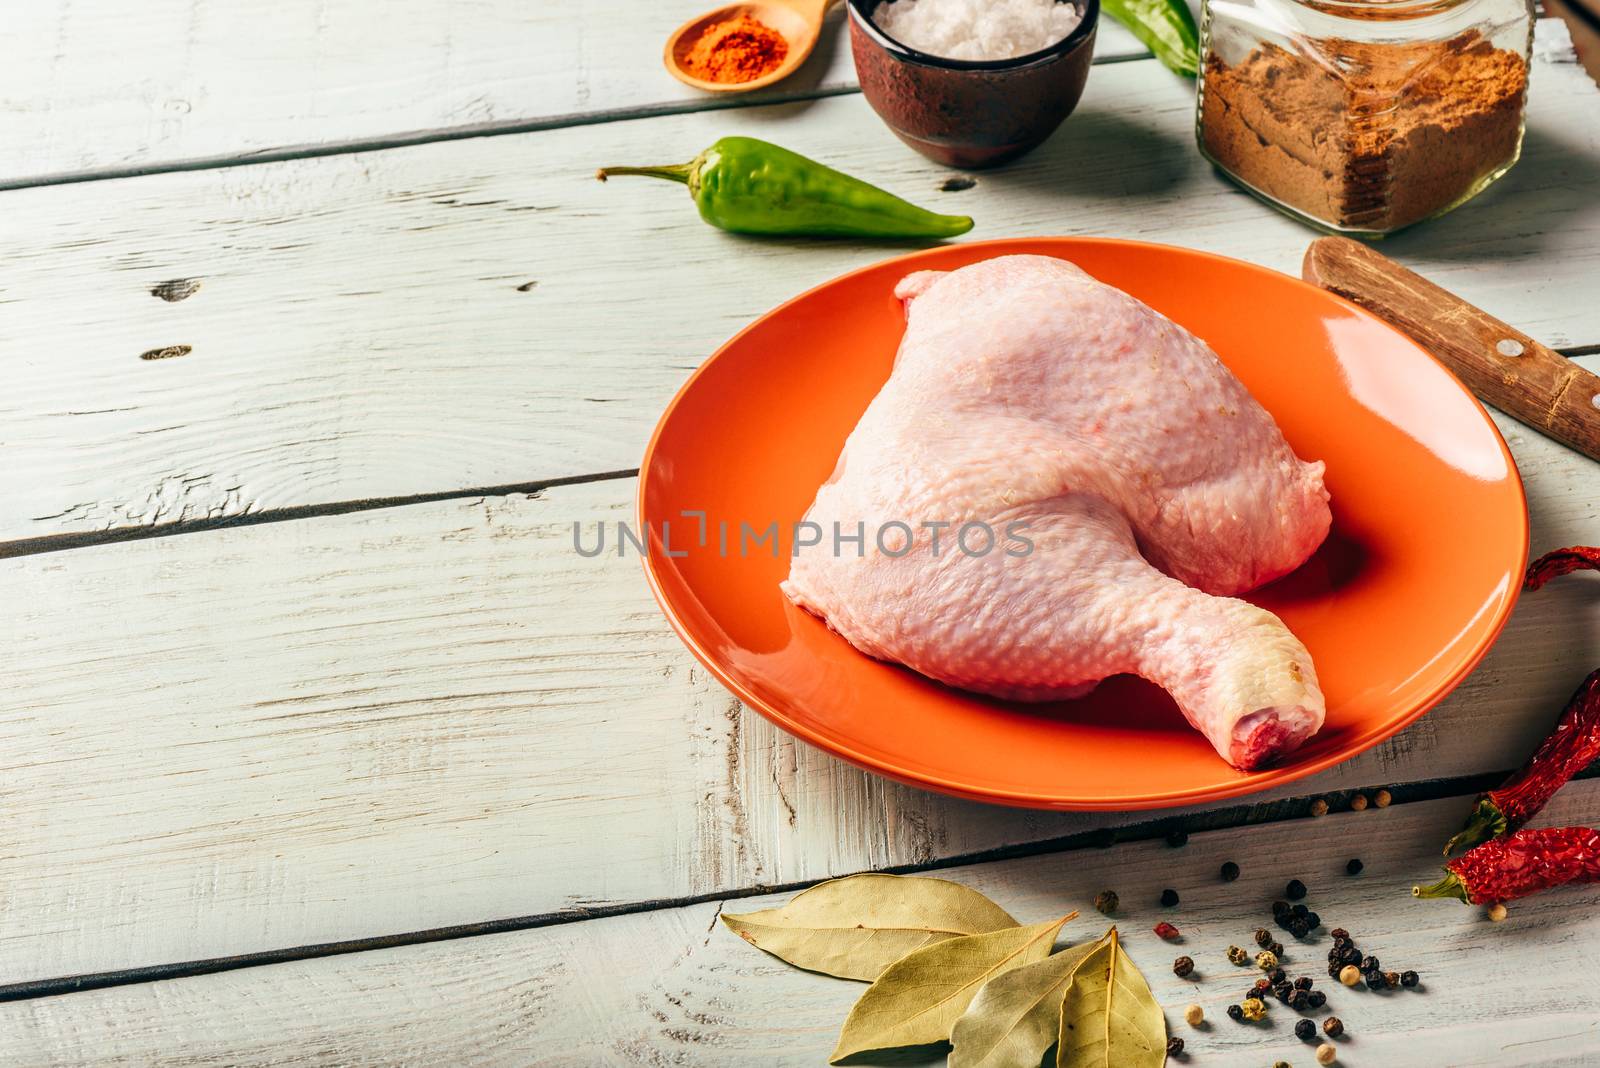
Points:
(1520, 864)
(1561, 562)
(1571, 747)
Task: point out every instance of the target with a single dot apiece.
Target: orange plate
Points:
(1429, 538)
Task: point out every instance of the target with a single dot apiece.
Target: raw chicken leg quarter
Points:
(1152, 487)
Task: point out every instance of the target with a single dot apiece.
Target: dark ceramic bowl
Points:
(970, 113)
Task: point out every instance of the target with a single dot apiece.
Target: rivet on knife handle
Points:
(1503, 366)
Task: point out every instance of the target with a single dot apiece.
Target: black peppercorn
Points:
(1370, 964)
(1263, 938)
(1276, 949)
(1334, 970)
(1276, 976)
(1374, 980)
(1280, 908)
(1178, 839)
(1299, 927)
(1281, 991)
(1352, 954)
(1305, 1030)
(1230, 871)
(1316, 999)
(1353, 867)
(1333, 1027)
(1409, 978)
(1303, 983)
(1340, 934)
(1235, 1012)
(1182, 967)
(1169, 897)
(1299, 910)
(1313, 921)
(1299, 1000)
(1174, 1046)
(1295, 890)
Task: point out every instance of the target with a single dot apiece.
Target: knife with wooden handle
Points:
(1503, 366)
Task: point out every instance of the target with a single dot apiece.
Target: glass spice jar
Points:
(1363, 116)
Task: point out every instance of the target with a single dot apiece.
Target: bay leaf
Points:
(856, 927)
(919, 998)
(1015, 1017)
(1109, 1018)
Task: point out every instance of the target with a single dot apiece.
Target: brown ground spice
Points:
(1364, 136)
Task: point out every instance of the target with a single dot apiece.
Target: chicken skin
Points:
(1130, 487)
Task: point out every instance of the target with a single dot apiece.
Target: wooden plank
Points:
(470, 314)
(673, 987)
(410, 718)
(102, 88)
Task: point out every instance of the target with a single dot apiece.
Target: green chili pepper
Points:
(753, 187)
(1165, 27)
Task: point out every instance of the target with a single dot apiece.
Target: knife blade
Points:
(1505, 367)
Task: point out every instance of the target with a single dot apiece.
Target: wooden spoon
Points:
(1503, 366)
(799, 21)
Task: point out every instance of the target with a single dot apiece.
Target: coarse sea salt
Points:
(977, 29)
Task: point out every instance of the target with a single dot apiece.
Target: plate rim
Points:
(1247, 783)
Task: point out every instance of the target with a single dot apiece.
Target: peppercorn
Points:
(1282, 992)
(1370, 964)
(1353, 866)
(1169, 898)
(1106, 901)
(1263, 937)
(1235, 1012)
(1497, 912)
(1352, 955)
(1254, 1008)
(1194, 1015)
(1178, 839)
(1174, 1046)
(1333, 970)
(1391, 979)
(1266, 961)
(1280, 908)
(1277, 949)
(1316, 999)
(1166, 930)
(1295, 890)
(1326, 1054)
(1305, 1030)
(1340, 934)
(1374, 980)
(1230, 871)
(1382, 798)
(1299, 1000)
(1276, 976)
(1300, 927)
(1303, 983)
(1333, 1027)
(1182, 967)
(1319, 807)
(1358, 803)
(1237, 955)
(1409, 979)
(1313, 920)
(1260, 988)
(1349, 975)
(1299, 911)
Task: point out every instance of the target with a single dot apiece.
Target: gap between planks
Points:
(84, 539)
(1232, 817)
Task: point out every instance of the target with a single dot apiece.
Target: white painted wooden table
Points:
(318, 745)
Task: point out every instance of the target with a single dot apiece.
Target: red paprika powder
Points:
(740, 49)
